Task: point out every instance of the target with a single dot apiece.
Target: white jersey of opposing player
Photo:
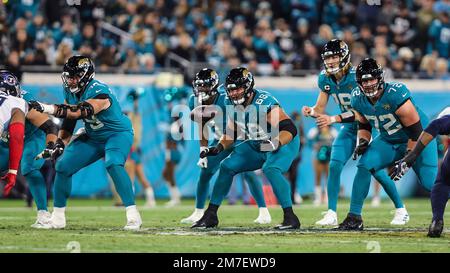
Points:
(7, 104)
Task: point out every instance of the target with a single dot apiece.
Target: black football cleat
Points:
(435, 229)
(209, 220)
(290, 221)
(352, 222)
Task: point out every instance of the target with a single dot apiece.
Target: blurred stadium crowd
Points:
(411, 37)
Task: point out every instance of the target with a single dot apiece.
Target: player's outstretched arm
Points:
(318, 108)
(350, 116)
(16, 136)
(83, 109)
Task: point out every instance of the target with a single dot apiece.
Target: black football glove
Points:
(52, 150)
(32, 104)
(402, 166)
(361, 148)
(269, 145)
(212, 151)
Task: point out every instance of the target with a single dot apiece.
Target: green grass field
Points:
(95, 226)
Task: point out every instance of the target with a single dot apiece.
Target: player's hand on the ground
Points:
(10, 179)
(323, 120)
(269, 145)
(361, 148)
(307, 111)
(211, 151)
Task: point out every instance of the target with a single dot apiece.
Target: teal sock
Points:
(202, 188)
(360, 189)
(122, 183)
(281, 187)
(62, 189)
(38, 188)
(255, 186)
(334, 183)
(389, 187)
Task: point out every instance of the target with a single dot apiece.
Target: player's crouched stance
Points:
(389, 108)
(271, 144)
(109, 134)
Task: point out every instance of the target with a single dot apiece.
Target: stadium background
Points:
(273, 38)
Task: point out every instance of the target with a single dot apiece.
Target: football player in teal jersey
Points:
(205, 87)
(389, 108)
(338, 80)
(271, 144)
(39, 132)
(109, 134)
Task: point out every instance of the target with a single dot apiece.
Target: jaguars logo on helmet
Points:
(336, 47)
(205, 84)
(81, 67)
(237, 78)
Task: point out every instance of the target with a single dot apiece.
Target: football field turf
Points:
(95, 226)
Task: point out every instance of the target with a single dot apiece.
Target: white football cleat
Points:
(134, 221)
(263, 217)
(57, 220)
(401, 217)
(329, 219)
(42, 219)
(195, 216)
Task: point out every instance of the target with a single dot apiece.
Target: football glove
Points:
(203, 162)
(361, 148)
(402, 166)
(211, 151)
(10, 179)
(52, 150)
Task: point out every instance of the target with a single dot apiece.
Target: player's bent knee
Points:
(336, 166)
(271, 172)
(228, 167)
(64, 167)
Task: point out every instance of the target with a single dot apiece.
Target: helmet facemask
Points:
(83, 70)
(371, 90)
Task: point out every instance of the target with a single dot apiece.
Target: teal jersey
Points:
(340, 91)
(253, 119)
(29, 127)
(217, 125)
(381, 115)
(104, 124)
